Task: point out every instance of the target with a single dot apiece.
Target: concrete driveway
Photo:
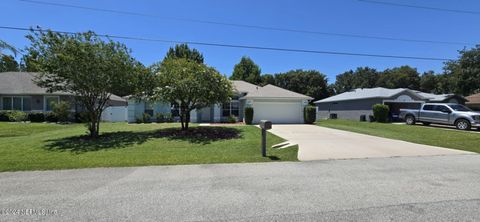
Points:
(320, 143)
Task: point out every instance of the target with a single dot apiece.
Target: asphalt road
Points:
(433, 188)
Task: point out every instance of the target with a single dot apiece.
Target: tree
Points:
(400, 77)
(267, 79)
(345, 82)
(82, 64)
(182, 51)
(429, 82)
(246, 70)
(192, 85)
(465, 71)
(6, 46)
(8, 64)
(309, 82)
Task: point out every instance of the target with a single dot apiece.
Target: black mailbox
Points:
(265, 124)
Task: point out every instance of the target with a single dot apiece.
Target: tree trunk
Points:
(93, 126)
(187, 120)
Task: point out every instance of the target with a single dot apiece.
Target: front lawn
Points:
(42, 146)
(454, 139)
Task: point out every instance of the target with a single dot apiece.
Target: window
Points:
(16, 103)
(7, 103)
(460, 108)
(50, 101)
(428, 107)
(175, 109)
(231, 108)
(149, 108)
(442, 108)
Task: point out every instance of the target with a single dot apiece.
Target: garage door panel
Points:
(278, 112)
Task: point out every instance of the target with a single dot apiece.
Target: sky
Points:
(333, 16)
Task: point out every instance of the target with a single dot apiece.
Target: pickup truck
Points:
(442, 113)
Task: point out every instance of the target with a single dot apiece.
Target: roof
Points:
(243, 87)
(366, 93)
(434, 97)
(473, 99)
(21, 83)
(271, 91)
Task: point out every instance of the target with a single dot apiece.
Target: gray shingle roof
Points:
(366, 93)
(243, 87)
(434, 97)
(271, 91)
(21, 83)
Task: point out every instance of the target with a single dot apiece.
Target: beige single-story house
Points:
(269, 102)
(473, 101)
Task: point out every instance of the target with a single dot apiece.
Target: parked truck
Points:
(442, 113)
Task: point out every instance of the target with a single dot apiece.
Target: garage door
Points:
(278, 112)
(115, 114)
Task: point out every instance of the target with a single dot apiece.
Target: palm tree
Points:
(6, 46)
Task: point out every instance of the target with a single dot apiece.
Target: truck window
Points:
(428, 107)
(460, 108)
(441, 108)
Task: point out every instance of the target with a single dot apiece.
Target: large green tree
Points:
(182, 51)
(267, 79)
(400, 77)
(309, 82)
(8, 64)
(190, 84)
(82, 64)
(465, 71)
(362, 77)
(429, 82)
(247, 70)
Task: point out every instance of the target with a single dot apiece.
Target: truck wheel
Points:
(463, 124)
(410, 120)
(426, 123)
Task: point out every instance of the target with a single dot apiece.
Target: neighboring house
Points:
(269, 102)
(358, 102)
(19, 92)
(473, 101)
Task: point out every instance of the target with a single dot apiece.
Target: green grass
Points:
(454, 139)
(41, 146)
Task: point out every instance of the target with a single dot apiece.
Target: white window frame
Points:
(21, 102)
(230, 108)
(45, 102)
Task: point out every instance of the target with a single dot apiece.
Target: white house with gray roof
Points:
(355, 103)
(269, 102)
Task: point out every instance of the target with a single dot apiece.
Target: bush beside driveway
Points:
(453, 139)
(41, 146)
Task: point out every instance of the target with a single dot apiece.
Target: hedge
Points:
(380, 113)
(309, 114)
(248, 115)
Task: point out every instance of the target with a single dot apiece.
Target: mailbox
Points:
(265, 124)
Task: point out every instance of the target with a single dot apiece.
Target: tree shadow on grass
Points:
(121, 139)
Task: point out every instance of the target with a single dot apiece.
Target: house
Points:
(269, 102)
(19, 92)
(355, 103)
(473, 101)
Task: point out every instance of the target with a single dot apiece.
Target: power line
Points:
(240, 46)
(421, 7)
(247, 25)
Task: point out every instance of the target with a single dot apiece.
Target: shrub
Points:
(168, 117)
(309, 114)
(160, 117)
(4, 116)
(138, 120)
(371, 118)
(248, 115)
(231, 119)
(36, 117)
(80, 117)
(146, 118)
(61, 110)
(380, 113)
(17, 116)
(51, 117)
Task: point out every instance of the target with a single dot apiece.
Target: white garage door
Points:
(115, 114)
(278, 112)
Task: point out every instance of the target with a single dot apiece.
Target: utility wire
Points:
(421, 7)
(239, 46)
(258, 27)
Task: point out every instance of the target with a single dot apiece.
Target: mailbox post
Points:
(265, 125)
